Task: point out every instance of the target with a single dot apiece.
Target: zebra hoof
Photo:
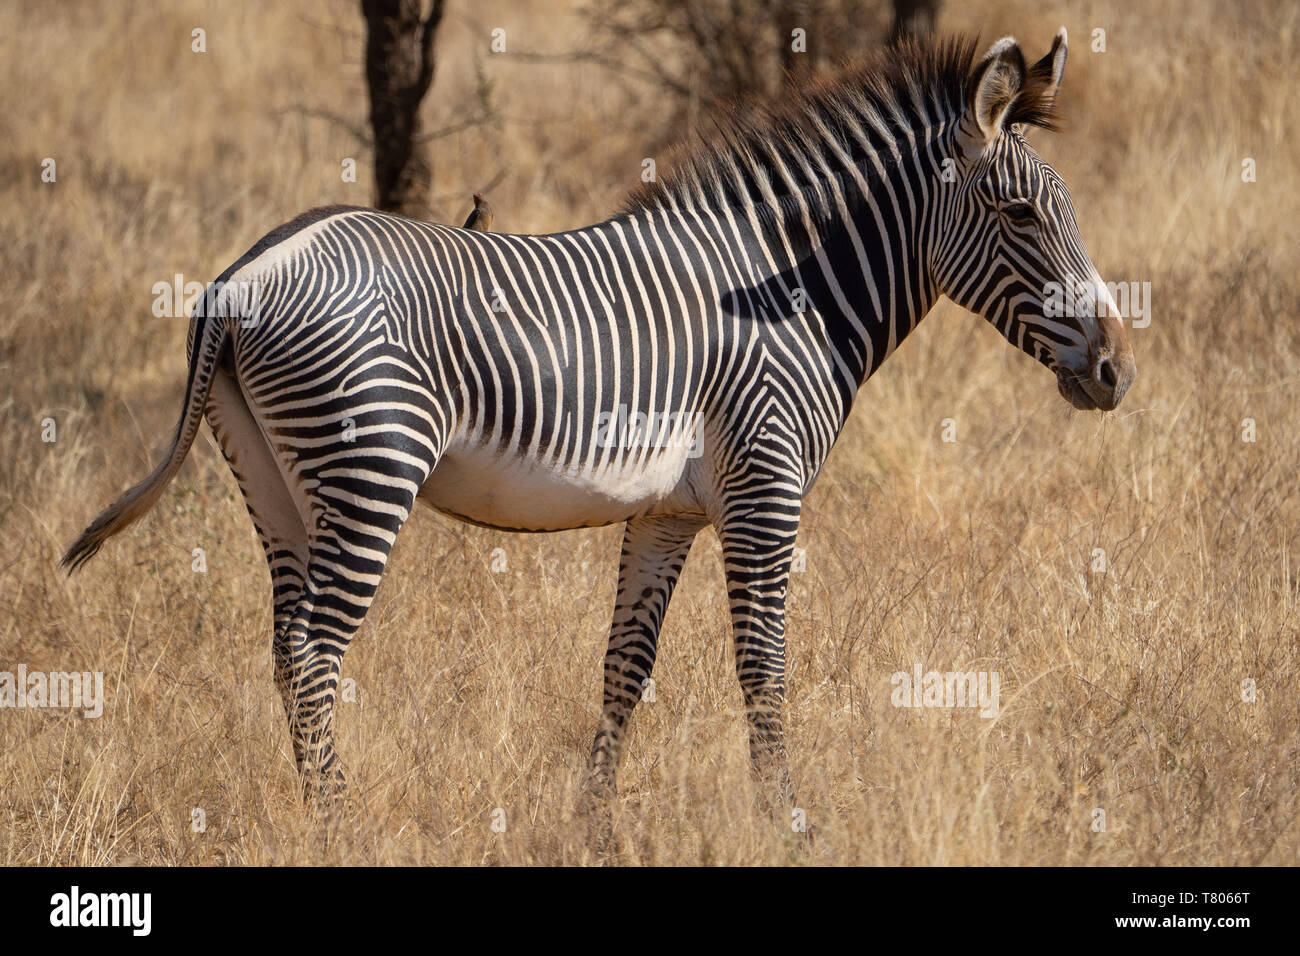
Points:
(324, 793)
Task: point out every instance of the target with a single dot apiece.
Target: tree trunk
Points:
(399, 70)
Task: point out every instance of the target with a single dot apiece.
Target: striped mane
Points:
(758, 154)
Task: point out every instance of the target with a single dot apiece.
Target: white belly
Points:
(483, 486)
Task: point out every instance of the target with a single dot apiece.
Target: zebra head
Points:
(1009, 246)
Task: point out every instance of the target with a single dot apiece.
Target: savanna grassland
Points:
(1122, 688)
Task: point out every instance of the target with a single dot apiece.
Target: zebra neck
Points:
(852, 251)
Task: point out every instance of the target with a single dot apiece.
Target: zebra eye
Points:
(1019, 212)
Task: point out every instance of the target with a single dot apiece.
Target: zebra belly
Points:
(482, 486)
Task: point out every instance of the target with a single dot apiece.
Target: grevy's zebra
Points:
(745, 298)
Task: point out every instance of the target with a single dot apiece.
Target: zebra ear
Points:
(994, 86)
(1051, 68)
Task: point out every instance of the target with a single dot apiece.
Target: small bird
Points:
(480, 219)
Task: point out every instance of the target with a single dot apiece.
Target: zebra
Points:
(686, 363)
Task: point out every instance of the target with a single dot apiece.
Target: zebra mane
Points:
(757, 154)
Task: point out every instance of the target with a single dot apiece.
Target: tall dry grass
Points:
(1122, 691)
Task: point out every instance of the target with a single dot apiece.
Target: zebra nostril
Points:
(1104, 374)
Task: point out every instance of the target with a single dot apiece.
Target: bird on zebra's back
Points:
(687, 363)
(480, 217)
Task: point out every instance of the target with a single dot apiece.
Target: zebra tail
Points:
(210, 335)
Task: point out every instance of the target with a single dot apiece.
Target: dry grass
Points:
(1121, 691)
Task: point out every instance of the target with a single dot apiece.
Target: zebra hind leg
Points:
(327, 549)
(654, 550)
(357, 523)
(275, 516)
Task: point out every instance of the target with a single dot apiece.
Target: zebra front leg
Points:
(757, 548)
(654, 550)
